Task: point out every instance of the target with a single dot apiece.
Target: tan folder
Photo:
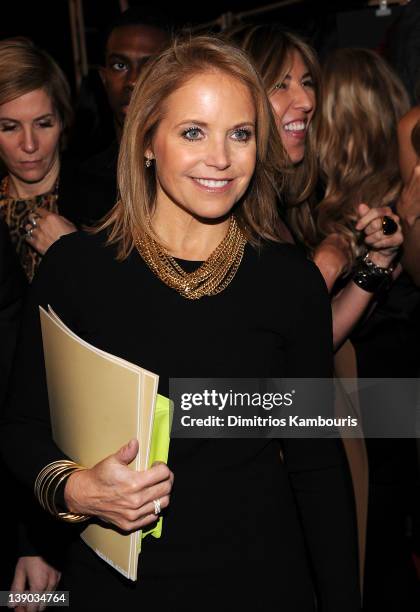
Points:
(98, 402)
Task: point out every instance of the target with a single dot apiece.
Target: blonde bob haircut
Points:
(271, 49)
(25, 68)
(256, 212)
(357, 138)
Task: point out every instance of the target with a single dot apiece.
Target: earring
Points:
(148, 162)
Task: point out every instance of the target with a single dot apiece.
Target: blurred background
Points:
(60, 25)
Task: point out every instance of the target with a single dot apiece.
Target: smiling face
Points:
(29, 136)
(293, 101)
(204, 146)
(127, 49)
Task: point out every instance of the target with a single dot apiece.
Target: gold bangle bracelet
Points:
(51, 476)
(44, 478)
(69, 517)
(49, 496)
(44, 473)
(60, 479)
(43, 484)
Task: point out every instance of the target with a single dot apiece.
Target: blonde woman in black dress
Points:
(193, 248)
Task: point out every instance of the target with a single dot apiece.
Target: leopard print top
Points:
(15, 213)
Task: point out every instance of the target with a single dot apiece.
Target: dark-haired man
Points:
(127, 49)
(130, 41)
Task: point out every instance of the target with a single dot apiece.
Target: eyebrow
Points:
(47, 115)
(307, 74)
(204, 124)
(114, 56)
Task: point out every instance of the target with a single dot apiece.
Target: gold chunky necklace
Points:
(211, 277)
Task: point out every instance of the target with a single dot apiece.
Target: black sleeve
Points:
(317, 468)
(40, 534)
(25, 433)
(12, 288)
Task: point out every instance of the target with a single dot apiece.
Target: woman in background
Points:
(291, 75)
(363, 100)
(35, 112)
(41, 198)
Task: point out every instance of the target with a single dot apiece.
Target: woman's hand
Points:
(36, 575)
(45, 227)
(408, 205)
(382, 248)
(116, 494)
(333, 256)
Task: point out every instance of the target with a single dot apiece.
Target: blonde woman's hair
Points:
(25, 68)
(363, 100)
(271, 48)
(256, 212)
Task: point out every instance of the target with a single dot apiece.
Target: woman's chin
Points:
(296, 155)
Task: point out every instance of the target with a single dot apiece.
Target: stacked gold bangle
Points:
(46, 487)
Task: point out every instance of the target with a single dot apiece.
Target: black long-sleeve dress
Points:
(244, 529)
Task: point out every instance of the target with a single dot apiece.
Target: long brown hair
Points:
(257, 211)
(271, 48)
(363, 101)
